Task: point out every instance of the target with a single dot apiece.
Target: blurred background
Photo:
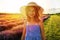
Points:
(12, 16)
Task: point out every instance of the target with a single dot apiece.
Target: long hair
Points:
(37, 9)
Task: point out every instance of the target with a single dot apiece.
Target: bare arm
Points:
(24, 31)
(42, 29)
(23, 34)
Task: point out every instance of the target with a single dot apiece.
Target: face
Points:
(31, 12)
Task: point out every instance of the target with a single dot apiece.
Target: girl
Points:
(33, 29)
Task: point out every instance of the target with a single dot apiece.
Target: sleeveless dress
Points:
(33, 32)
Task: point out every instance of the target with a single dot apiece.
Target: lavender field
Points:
(10, 27)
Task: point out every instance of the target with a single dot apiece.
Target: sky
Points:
(13, 6)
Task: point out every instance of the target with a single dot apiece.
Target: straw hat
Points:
(32, 4)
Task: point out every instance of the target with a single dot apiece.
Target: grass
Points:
(52, 27)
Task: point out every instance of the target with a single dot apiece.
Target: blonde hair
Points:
(38, 10)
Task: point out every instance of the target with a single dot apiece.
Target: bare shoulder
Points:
(41, 19)
(40, 22)
(23, 21)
